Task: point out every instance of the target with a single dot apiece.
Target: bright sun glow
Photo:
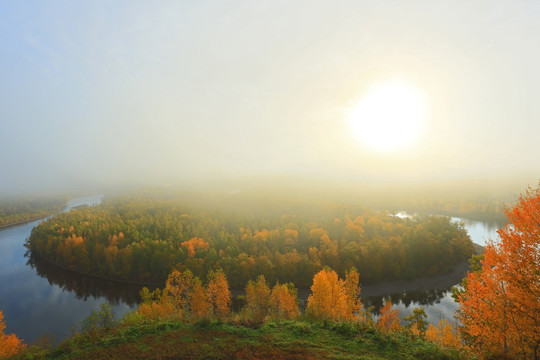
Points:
(389, 118)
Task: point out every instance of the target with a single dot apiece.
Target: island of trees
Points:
(144, 238)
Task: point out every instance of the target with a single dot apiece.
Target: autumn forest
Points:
(143, 239)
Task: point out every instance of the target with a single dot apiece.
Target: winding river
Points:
(40, 299)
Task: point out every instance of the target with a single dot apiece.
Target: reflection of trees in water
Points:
(83, 286)
(419, 298)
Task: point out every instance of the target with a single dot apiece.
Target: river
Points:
(38, 298)
(434, 294)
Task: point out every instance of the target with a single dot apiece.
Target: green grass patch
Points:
(221, 340)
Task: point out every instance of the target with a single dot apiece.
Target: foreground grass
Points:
(218, 340)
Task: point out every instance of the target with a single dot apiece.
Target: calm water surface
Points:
(438, 303)
(38, 298)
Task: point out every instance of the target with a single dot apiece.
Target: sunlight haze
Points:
(389, 117)
(136, 92)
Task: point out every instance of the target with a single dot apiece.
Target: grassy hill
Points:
(219, 340)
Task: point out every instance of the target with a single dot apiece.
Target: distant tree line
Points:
(478, 208)
(143, 239)
(22, 209)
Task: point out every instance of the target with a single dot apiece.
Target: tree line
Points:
(143, 239)
(16, 210)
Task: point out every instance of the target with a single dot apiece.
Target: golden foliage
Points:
(388, 321)
(443, 334)
(332, 298)
(500, 306)
(195, 244)
(157, 305)
(179, 286)
(9, 344)
(257, 297)
(283, 304)
(218, 294)
(199, 304)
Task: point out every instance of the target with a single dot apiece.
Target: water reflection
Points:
(424, 298)
(85, 287)
(481, 231)
(38, 299)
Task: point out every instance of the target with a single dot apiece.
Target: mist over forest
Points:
(246, 169)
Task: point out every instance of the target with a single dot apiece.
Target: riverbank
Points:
(20, 210)
(98, 277)
(23, 221)
(442, 281)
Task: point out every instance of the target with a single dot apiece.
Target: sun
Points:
(389, 118)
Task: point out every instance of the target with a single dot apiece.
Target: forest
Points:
(498, 315)
(15, 210)
(144, 237)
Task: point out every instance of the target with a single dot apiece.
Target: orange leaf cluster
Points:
(500, 303)
(443, 334)
(9, 344)
(389, 319)
(195, 244)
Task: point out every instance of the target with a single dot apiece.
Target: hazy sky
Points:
(157, 91)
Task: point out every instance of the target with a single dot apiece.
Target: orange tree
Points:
(283, 302)
(500, 302)
(9, 344)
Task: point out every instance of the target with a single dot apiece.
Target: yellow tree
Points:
(257, 297)
(443, 334)
(500, 302)
(352, 290)
(9, 344)
(218, 294)
(179, 287)
(157, 305)
(283, 303)
(199, 303)
(330, 298)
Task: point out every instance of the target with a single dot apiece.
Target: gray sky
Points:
(158, 91)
